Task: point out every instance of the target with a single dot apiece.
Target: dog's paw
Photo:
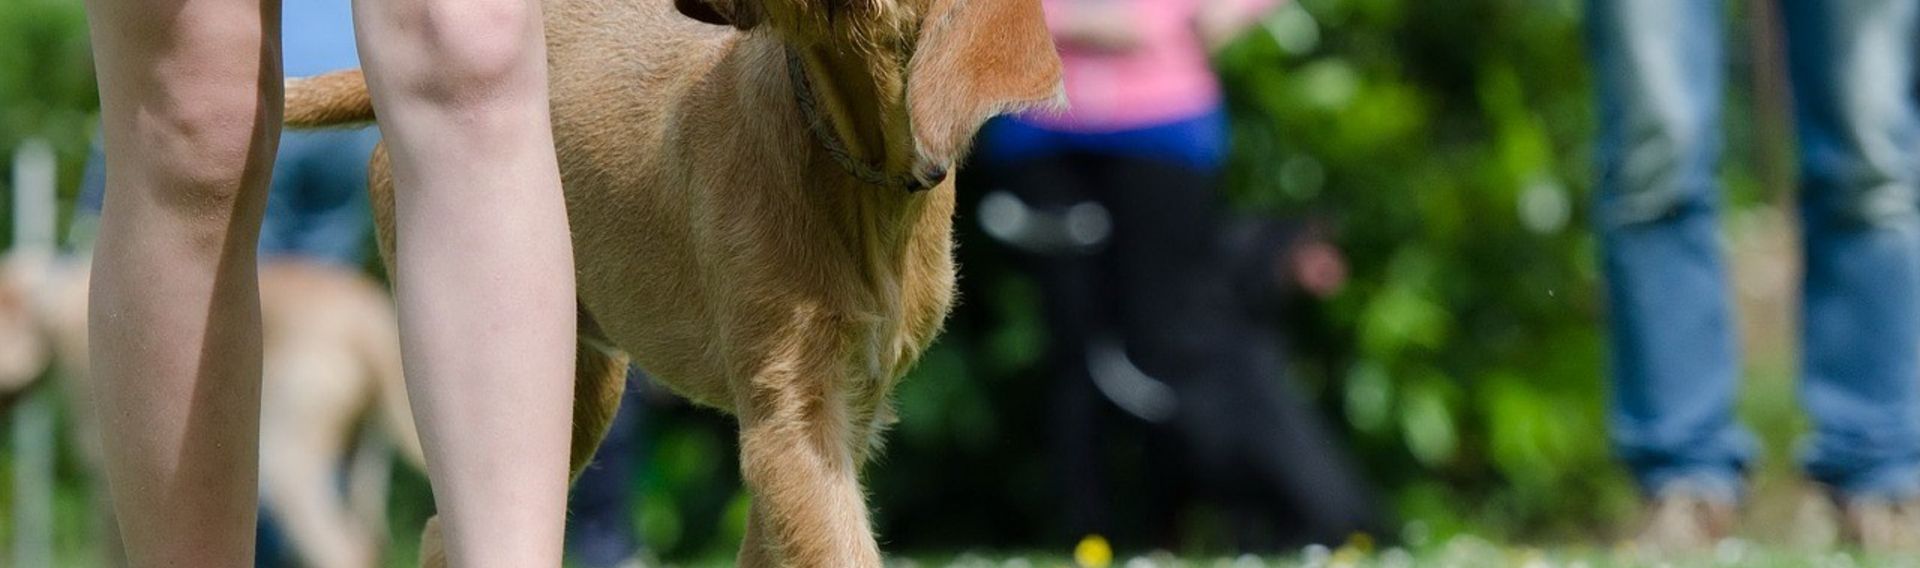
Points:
(433, 547)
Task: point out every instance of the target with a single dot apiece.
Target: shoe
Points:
(1679, 522)
(1815, 527)
(1880, 525)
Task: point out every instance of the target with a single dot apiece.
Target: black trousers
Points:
(1239, 438)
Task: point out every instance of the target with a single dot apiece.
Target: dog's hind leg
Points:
(600, 378)
(312, 398)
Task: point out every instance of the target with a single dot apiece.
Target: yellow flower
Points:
(1360, 542)
(1093, 552)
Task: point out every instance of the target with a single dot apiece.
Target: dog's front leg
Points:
(808, 509)
(757, 549)
(801, 460)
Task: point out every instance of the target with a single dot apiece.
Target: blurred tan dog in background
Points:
(762, 217)
(331, 377)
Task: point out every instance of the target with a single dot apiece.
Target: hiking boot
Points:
(1680, 521)
(1881, 525)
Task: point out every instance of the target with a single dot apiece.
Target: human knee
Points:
(197, 156)
(463, 50)
(1859, 169)
(1656, 171)
(1884, 204)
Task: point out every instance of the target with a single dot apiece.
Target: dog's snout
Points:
(929, 174)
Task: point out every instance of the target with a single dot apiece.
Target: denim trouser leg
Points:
(1674, 365)
(1853, 76)
(318, 207)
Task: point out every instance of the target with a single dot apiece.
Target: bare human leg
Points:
(190, 97)
(483, 265)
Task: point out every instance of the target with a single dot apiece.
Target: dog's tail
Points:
(335, 99)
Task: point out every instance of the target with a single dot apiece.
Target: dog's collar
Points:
(830, 141)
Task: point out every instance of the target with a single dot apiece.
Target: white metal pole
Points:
(33, 197)
(33, 420)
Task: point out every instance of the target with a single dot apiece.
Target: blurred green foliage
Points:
(1453, 140)
(46, 86)
(1449, 140)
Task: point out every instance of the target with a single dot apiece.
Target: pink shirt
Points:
(1167, 78)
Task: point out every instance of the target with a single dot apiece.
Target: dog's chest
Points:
(926, 296)
(889, 345)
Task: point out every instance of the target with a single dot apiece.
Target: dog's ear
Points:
(977, 59)
(736, 13)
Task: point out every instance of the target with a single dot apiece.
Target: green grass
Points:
(1463, 552)
(1457, 552)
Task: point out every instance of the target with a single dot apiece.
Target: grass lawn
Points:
(1460, 552)
(1464, 552)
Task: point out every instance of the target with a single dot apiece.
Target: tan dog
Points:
(762, 217)
(332, 366)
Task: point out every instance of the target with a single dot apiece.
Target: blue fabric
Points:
(1199, 142)
(317, 207)
(316, 36)
(271, 549)
(601, 530)
(1675, 368)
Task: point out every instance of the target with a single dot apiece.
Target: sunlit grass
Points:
(1458, 552)
(1462, 552)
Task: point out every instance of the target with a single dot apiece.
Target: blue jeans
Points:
(317, 205)
(1675, 368)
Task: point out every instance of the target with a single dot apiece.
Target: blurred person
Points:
(191, 94)
(1115, 205)
(1674, 368)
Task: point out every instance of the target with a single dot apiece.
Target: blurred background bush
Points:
(1447, 141)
